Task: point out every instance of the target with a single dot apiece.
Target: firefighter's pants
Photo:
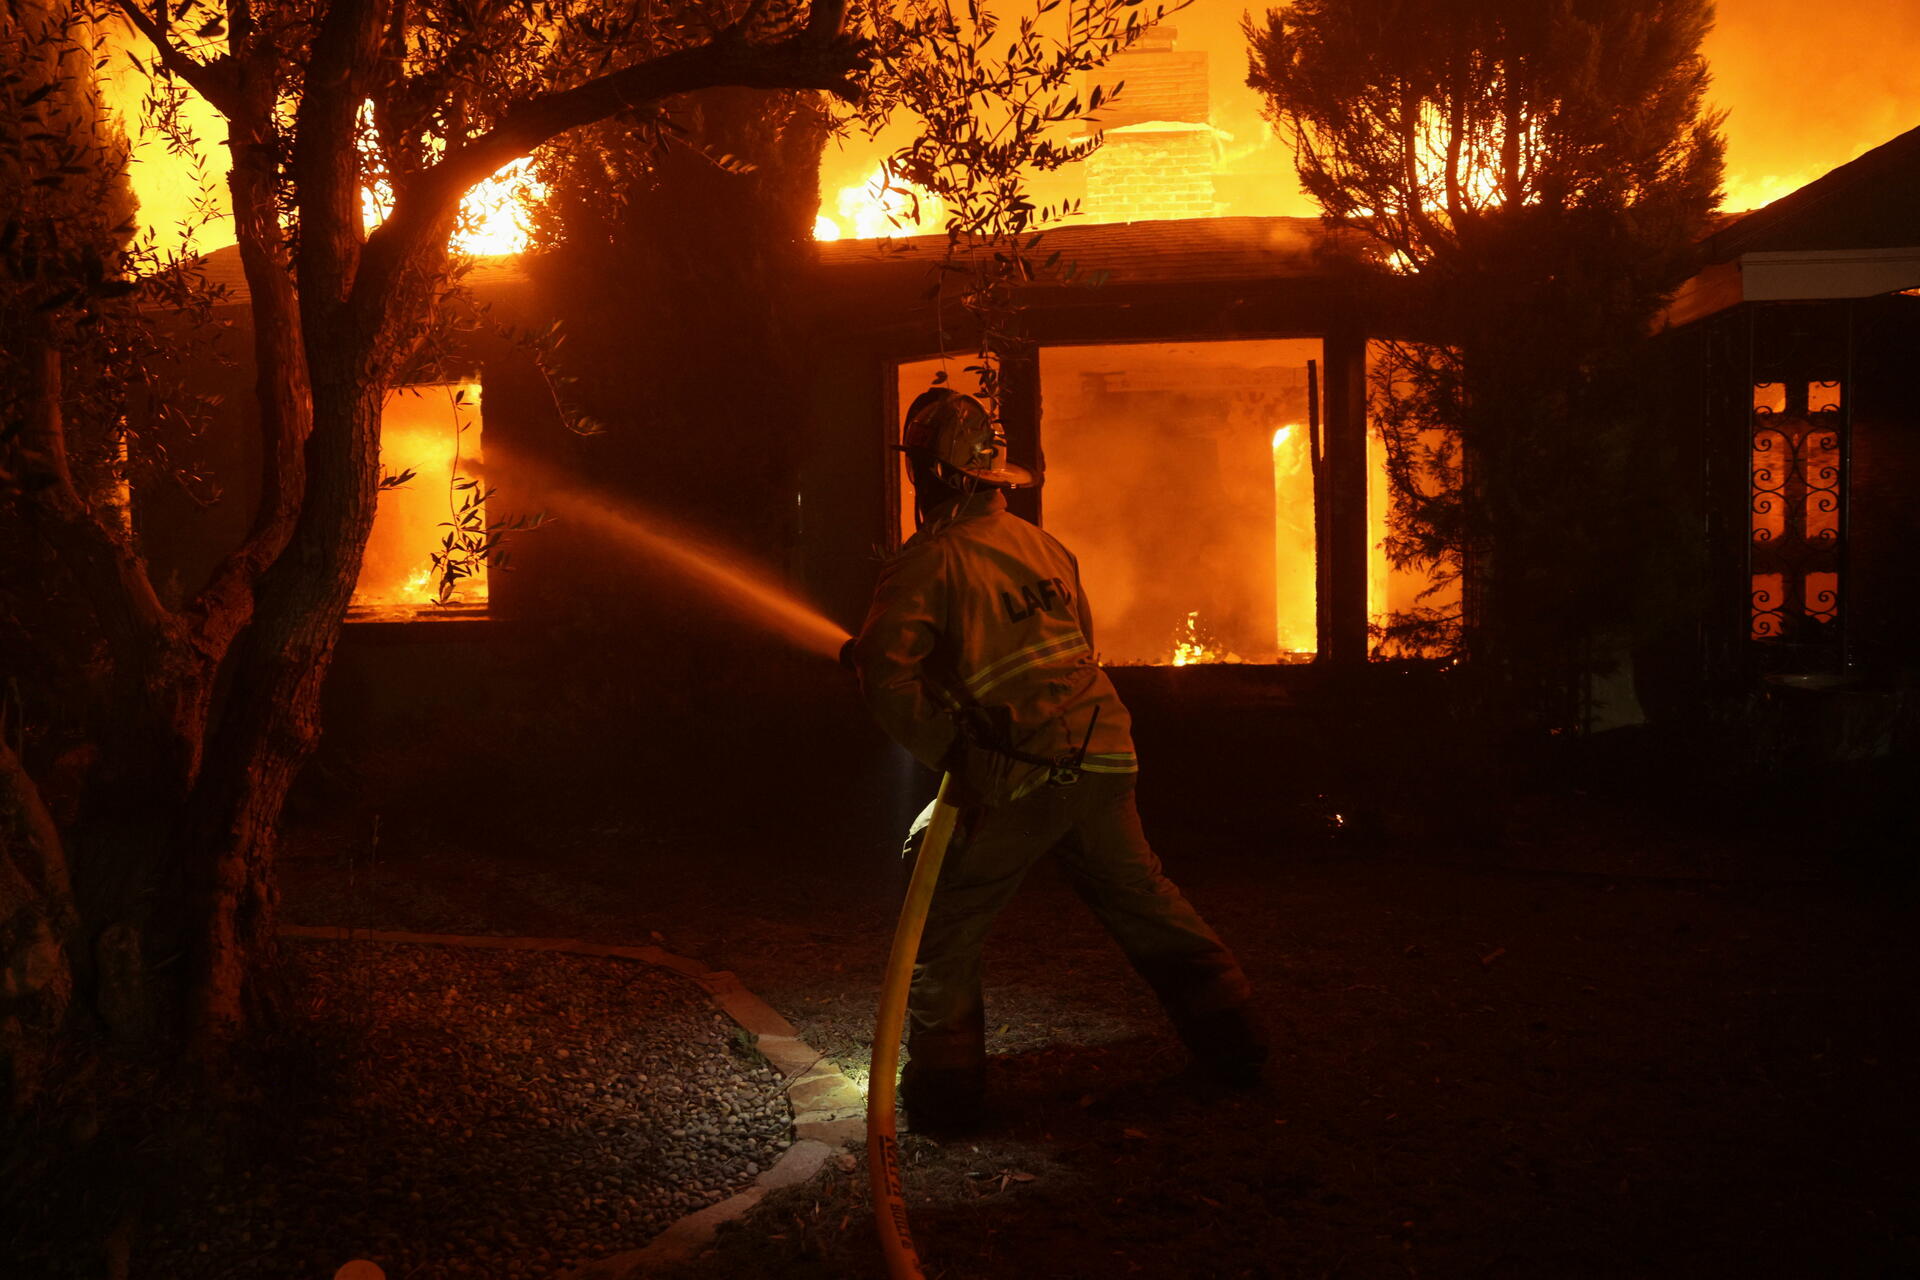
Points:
(1095, 830)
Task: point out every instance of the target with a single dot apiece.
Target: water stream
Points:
(725, 576)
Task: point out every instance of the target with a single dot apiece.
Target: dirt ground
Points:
(1605, 1045)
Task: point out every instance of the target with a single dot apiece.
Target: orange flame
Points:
(1191, 649)
(1295, 621)
(880, 208)
(493, 216)
(432, 431)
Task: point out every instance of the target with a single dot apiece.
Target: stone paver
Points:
(789, 1054)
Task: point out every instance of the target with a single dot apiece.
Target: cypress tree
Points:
(1540, 173)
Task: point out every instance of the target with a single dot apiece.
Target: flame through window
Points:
(430, 435)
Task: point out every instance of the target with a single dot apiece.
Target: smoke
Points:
(1173, 476)
(1806, 90)
(183, 197)
(725, 577)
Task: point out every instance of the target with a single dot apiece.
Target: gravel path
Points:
(480, 1113)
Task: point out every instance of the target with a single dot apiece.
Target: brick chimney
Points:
(1158, 154)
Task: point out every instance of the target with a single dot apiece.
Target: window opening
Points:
(1179, 475)
(433, 432)
(1406, 609)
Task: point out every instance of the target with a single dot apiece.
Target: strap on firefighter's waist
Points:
(991, 729)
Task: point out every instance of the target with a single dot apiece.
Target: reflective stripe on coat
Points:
(989, 607)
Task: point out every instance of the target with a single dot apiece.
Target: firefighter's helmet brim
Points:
(956, 431)
(1007, 474)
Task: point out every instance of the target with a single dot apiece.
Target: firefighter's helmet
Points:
(954, 430)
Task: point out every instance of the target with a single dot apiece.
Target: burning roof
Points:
(1871, 202)
(1159, 251)
(1851, 233)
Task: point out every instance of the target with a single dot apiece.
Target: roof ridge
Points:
(1866, 168)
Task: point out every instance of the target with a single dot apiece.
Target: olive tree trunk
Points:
(142, 827)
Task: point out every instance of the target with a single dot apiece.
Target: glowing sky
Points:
(1808, 88)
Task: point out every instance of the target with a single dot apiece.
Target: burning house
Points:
(1199, 418)
(1179, 412)
(1195, 395)
(1206, 372)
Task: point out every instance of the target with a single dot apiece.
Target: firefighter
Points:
(977, 656)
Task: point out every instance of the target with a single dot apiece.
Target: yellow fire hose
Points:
(883, 1148)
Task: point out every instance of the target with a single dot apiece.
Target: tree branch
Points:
(31, 839)
(1456, 130)
(110, 571)
(1421, 228)
(397, 138)
(281, 384)
(798, 62)
(818, 56)
(826, 20)
(326, 163)
(240, 23)
(213, 81)
(744, 23)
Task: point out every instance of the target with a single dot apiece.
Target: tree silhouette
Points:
(147, 745)
(1539, 173)
(212, 707)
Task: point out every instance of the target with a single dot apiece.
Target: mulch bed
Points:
(450, 1112)
(1597, 1052)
